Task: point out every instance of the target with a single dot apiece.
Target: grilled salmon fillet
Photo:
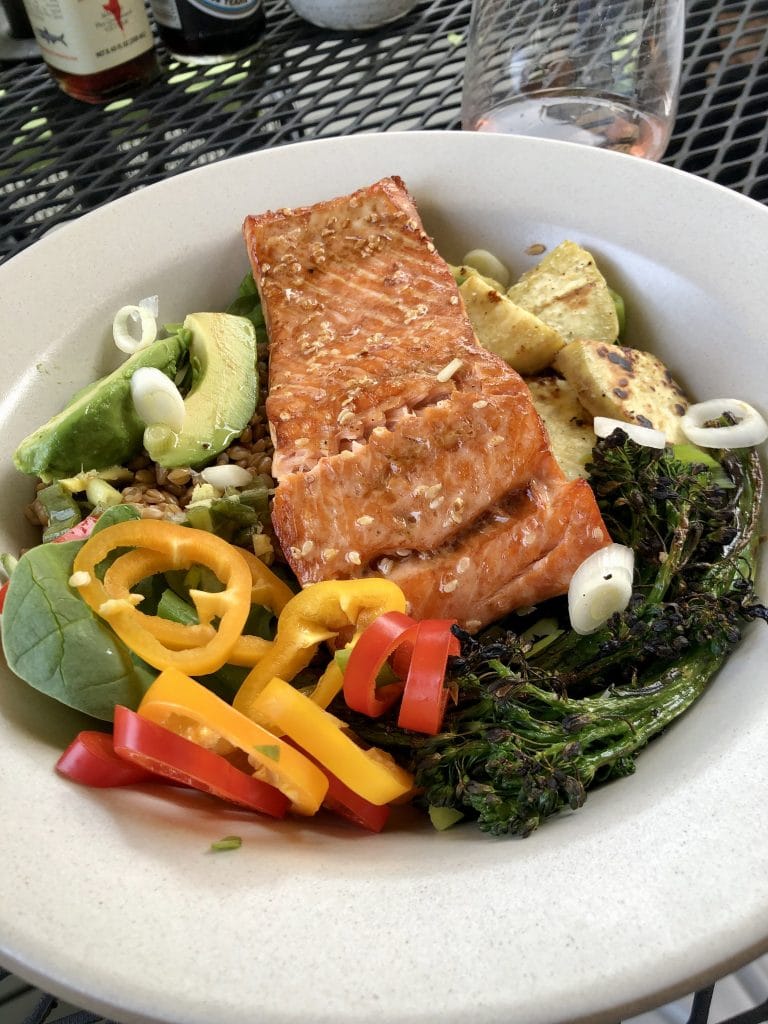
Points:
(402, 447)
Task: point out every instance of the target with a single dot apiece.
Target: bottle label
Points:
(226, 9)
(87, 36)
(166, 13)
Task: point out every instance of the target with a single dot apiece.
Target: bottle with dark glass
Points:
(95, 50)
(208, 31)
(18, 19)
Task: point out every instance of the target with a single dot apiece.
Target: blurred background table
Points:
(60, 159)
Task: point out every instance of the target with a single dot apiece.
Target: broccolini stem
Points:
(513, 767)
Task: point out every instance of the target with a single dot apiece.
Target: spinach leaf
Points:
(248, 304)
(53, 641)
(115, 514)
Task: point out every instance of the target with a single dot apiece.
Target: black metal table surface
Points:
(60, 159)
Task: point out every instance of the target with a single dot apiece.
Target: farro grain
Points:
(133, 495)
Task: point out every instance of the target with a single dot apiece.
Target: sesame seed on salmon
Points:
(402, 447)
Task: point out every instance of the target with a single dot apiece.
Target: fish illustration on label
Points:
(50, 38)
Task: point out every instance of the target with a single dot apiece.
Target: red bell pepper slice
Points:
(341, 800)
(145, 743)
(419, 653)
(81, 530)
(424, 697)
(384, 635)
(91, 759)
(3, 592)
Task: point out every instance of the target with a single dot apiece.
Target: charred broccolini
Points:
(536, 724)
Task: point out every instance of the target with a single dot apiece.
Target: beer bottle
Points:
(95, 49)
(209, 31)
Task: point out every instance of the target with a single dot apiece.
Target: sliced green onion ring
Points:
(604, 426)
(749, 430)
(229, 475)
(227, 843)
(488, 265)
(156, 398)
(601, 586)
(135, 327)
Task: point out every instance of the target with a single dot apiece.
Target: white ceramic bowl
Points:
(659, 884)
(351, 15)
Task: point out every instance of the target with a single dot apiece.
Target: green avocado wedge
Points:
(99, 426)
(223, 395)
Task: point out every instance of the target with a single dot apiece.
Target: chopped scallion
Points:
(227, 843)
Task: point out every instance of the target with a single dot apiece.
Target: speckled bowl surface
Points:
(351, 15)
(660, 883)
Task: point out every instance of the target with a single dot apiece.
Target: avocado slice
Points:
(222, 398)
(99, 426)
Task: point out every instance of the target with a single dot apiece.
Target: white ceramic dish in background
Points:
(351, 15)
(659, 884)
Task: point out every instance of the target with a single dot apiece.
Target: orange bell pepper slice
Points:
(267, 590)
(187, 708)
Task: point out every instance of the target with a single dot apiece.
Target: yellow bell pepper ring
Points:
(132, 567)
(174, 699)
(317, 613)
(328, 686)
(372, 774)
(183, 547)
(268, 589)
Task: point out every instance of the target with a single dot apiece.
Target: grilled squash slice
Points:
(567, 291)
(624, 384)
(519, 337)
(568, 423)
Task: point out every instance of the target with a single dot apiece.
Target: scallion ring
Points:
(601, 586)
(604, 426)
(487, 265)
(750, 428)
(156, 398)
(134, 327)
(152, 304)
(229, 475)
